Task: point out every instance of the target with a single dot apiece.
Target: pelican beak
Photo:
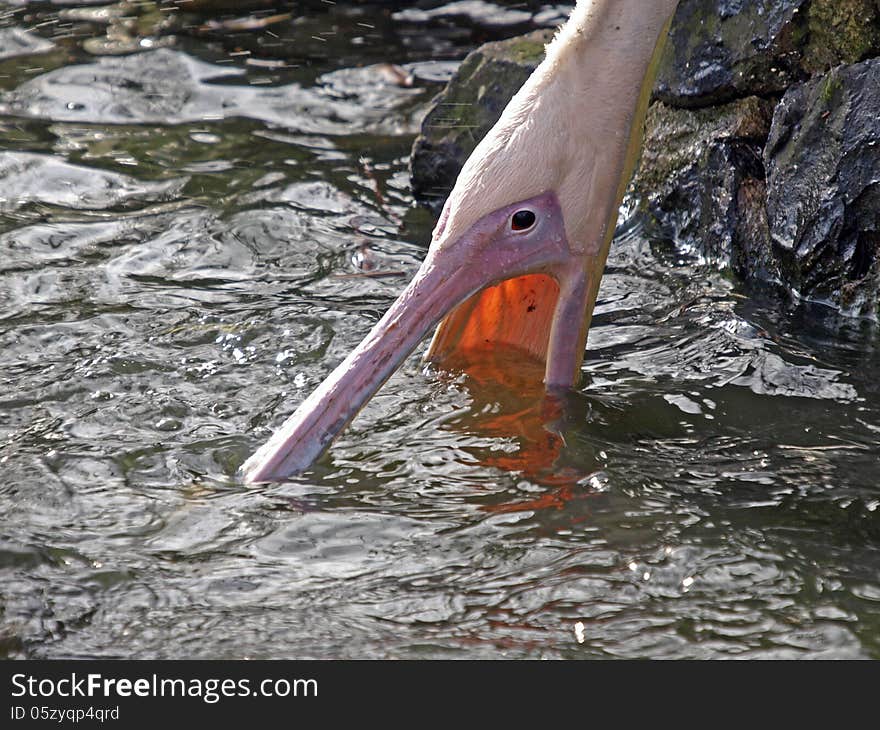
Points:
(500, 247)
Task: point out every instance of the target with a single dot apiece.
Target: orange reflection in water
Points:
(510, 402)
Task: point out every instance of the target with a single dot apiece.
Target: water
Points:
(191, 241)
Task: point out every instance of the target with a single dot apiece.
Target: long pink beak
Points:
(489, 252)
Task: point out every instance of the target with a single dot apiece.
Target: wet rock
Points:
(823, 202)
(467, 109)
(701, 178)
(720, 50)
(725, 49)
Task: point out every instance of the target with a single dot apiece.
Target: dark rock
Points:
(701, 178)
(823, 202)
(720, 50)
(467, 109)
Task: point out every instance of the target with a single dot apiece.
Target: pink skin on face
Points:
(488, 253)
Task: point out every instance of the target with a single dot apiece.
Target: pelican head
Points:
(518, 253)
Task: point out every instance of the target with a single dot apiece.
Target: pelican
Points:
(517, 255)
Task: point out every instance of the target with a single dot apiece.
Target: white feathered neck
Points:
(574, 125)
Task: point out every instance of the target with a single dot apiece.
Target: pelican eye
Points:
(522, 220)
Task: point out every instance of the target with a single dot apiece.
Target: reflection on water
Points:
(189, 243)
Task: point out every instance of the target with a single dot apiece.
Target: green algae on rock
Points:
(841, 31)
